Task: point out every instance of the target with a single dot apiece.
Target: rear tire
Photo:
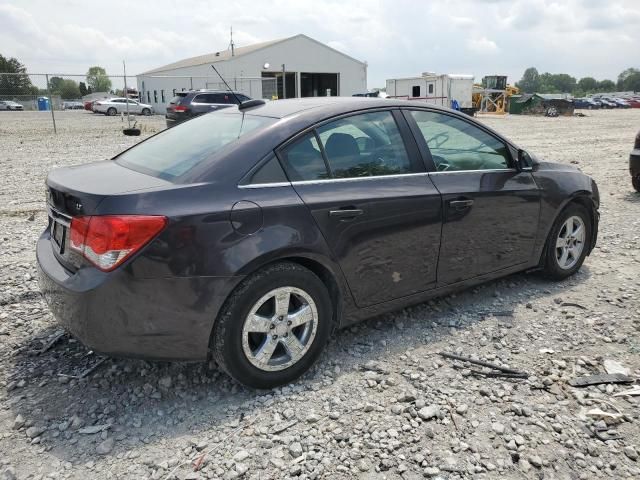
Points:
(273, 327)
(635, 181)
(146, 112)
(568, 243)
(112, 111)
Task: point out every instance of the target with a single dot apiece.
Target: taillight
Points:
(108, 240)
(180, 108)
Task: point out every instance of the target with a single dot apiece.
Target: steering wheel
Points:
(439, 140)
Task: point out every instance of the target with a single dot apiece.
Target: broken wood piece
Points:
(282, 427)
(632, 392)
(605, 436)
(51, 342)
(87, 371)
(500, 374)
(570, 304)
(600, 379)
(608, 417)
(482, 363)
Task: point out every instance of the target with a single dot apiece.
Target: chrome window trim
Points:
(372, 177)
(266, 185)
(351, 179)
(477, 171)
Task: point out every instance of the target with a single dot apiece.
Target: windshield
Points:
(176, 151)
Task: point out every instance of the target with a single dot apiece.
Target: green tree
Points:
(547, 84)
(55, 84)
(632, 82)
(588, 84)
(563, 82)
(98, 80)
(18, 84)
(530, 81)
(606, 86)
(83, 89)
(69, 90)
(624, 75)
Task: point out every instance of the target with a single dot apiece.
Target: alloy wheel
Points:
(279, 329)
(570, 242)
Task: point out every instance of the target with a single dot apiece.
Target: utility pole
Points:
(232, 45)
(126, 91)
(284, 82)
(53, 117)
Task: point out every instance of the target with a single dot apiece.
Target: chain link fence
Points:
(63, 98)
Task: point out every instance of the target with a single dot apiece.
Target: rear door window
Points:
(204, 98)
(303, 160)
(174, 152)
(222, 98)
(365, 145)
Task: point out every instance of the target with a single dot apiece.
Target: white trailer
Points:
(446, 90)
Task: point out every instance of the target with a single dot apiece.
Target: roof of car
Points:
(285, 108)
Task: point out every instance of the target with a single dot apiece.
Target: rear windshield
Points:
(177, 150)
(178, 97)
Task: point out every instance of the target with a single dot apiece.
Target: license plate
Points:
(58, 234)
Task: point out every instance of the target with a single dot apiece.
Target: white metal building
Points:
(435, 89)
(310, 69)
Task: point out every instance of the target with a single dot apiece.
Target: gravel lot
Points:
(380, 403)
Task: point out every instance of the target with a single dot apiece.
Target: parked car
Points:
(253, 231)
(606, 103)
(621, 103)
(634, 164)
(633, 102)
(586, 103)
(114, 106)
(10, 105)
(72, 105)
(193, 103)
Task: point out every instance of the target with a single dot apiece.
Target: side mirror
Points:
(524, 162)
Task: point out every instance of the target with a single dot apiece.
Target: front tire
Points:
(273, 327)
(112, 111)
(568, 243)
(146, 112)
(635, 181)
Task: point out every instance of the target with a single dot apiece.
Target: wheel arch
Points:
(330, 275)
(585, 199)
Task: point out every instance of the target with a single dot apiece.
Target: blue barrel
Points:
(43, 104)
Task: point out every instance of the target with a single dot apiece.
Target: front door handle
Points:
(346, 213)
(461, 204)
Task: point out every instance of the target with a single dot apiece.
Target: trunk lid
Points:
(77, 191)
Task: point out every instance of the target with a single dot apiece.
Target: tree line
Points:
(534, 82)
(96, 80)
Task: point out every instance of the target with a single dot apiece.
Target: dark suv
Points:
(189, 104)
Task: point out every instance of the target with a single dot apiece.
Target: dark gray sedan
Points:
(253, 232)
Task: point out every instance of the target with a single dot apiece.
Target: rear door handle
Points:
(346, 213)
(460, 204)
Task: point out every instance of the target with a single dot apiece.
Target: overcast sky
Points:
(397, 38)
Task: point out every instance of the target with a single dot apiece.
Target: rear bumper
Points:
(119, 315)
(634, 162)
(174, 121)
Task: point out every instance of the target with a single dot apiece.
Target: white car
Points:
(9, 105)
(114, 106)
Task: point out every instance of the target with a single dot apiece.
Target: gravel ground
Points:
(380, 403)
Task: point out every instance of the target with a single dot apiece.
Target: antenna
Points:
(231, 44)
(228, 87)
